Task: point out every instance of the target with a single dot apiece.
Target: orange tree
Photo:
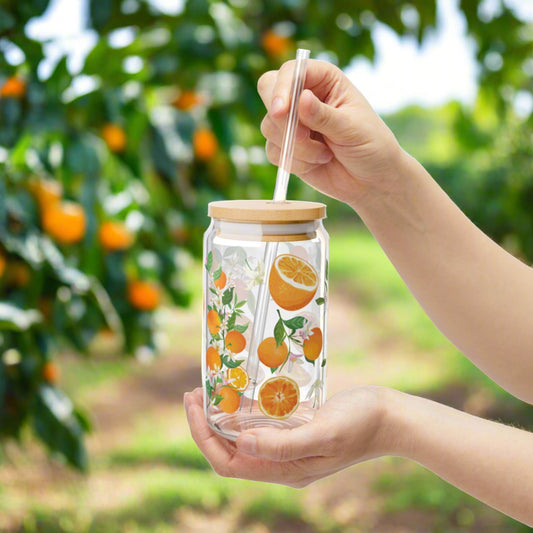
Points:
(104, 188)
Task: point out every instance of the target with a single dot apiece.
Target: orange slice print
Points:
(279, 397)
(238, 378)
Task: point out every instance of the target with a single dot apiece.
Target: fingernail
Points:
(247, 444)
(277, 105)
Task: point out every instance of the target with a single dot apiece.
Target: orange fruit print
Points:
(230, 399)
(235, 341)
(313, 345)
(220, 283)
(292, 282)
(279, 397)
(270, 354)
(212, 359)
(213, 322)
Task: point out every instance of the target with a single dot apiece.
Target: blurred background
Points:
(119, 121)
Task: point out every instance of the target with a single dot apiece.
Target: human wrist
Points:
(400, 423)
(390, 185)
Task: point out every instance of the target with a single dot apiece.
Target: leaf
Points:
(241, 328)
(99, 13)
(218, 399)
(240, 304)
(227, 296)
(209, 261)
(323, 363)
(208, 388)
(230, 363)
(7, 20)
(217, 273)
(231, 321)
(297, 322)
(320, 301)
(57, 424)
(279, 332)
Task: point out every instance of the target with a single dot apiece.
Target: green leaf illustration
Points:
(241, 328)
(209, 261)
(230, 363)
(295, 323)
(227, 296)
(279, 332)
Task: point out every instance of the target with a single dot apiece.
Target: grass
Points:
(455, 511)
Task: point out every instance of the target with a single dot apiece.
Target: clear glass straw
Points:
(280, 195)
(287, 145)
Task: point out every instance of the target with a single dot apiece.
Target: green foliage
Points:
(170, 121)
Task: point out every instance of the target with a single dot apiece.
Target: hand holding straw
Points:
(280, 195)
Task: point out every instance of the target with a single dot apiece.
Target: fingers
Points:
(308, 441)
(308, 149)
(321, 77)
(216, 449)
(274, 88)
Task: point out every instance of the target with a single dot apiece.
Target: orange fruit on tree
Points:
(47, 192)
(115, 236)
(212, 359)
(313, 345)
(279, 397)
(13, 88)
(270, 354)
(276, 45)
(144, 295)
(51, 372)
(230, 399)
(114, 136)
(213, 322)
(186, 100)
(205, 144)
(235, 341)
(2, 264)
(220, 283)
(292, 282)
(65, 222)
(237, 378)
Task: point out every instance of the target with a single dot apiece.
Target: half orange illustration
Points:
(292, 282)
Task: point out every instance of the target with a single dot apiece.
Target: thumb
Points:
(321, 117)
(283, 444)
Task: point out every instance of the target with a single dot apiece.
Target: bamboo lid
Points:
(266, 211)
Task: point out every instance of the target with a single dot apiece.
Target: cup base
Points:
(230, 426)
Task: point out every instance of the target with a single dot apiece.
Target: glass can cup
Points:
(265, 309)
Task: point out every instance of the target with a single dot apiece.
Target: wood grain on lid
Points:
(266, 211)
